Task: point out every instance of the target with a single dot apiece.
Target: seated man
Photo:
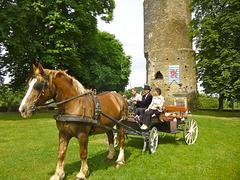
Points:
(154, 108)
(135, 96)
(144, 103)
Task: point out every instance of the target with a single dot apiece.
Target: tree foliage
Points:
(128, 92)
(105, 67)
(207, 102)
(215, 29)
(61, 34)
(9, 97)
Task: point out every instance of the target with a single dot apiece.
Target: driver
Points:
(144, 103)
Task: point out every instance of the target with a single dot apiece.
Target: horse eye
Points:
(38, 86)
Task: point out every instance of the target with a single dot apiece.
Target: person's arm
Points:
(139, 97)
(147, 101)
(162, 102)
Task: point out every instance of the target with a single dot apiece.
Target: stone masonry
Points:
(166, 44)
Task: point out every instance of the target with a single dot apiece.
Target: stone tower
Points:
(168, 51)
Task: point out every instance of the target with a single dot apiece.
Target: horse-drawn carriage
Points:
(173, 120)
(82, 113)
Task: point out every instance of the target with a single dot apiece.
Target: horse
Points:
(48, 84)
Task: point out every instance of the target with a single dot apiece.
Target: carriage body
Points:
(173, 120)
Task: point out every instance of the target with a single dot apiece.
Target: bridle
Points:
(40, 87)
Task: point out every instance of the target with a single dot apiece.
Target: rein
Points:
(52, 104)
(74, 118)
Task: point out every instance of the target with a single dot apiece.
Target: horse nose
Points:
(22, 110)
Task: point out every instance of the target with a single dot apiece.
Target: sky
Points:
(127, 26)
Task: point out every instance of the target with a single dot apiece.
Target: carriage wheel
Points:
(190, 131)
(153, 140)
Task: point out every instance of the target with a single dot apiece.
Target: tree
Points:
(215, 29)
(105, 65)
(206, 102)
(128, 93)
(9, 97)
(58, 34)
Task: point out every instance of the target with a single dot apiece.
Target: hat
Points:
(147, 87)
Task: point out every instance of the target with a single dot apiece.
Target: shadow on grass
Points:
(95, 162)
(169, 139)
(98, 162)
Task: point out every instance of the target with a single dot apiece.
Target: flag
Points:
(173, 74)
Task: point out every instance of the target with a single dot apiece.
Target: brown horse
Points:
(47, 84)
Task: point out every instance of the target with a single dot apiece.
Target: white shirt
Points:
(137, 97)
(157, 103)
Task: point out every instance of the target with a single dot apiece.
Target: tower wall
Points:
(167, 45)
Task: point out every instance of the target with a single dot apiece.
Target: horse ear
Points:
(34, 68)
(40, 68)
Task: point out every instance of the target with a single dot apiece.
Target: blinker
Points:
(38, 86)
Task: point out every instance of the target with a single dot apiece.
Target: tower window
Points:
(158, 75)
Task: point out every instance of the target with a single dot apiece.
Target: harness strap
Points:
(85, 120)
(84, 107)
(52, 104)
(90, 108)
(96, 105)
(75, 118)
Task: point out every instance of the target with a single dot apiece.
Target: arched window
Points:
(158, 75)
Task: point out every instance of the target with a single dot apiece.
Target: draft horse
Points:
(48, 84)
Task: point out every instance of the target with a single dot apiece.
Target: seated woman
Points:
(154, 108)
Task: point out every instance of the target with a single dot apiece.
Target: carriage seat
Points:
(169, 113)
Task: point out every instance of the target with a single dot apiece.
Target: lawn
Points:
(28, 149)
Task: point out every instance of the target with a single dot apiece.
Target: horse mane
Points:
(75, 83)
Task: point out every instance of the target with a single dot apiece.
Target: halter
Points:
(39, 86)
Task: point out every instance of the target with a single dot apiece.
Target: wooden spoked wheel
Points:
(190, 131)
(153, 140)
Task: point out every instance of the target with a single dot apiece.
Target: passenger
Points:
(135, 96)
(154, 108)
(144, 103)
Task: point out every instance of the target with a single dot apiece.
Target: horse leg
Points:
(62, 149)
(111, 153)
(83, 143)
(120, 161)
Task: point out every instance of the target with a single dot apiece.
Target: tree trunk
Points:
(220, 106)
(9, 108)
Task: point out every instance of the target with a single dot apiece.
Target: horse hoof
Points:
(109, 160)
(80, 178)
(118, 165)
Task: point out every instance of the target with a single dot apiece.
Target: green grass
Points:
(28, 149)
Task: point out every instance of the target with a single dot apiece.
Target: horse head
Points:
(39, 91)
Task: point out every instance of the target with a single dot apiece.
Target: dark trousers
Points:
(140, 111)
(148, 115)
